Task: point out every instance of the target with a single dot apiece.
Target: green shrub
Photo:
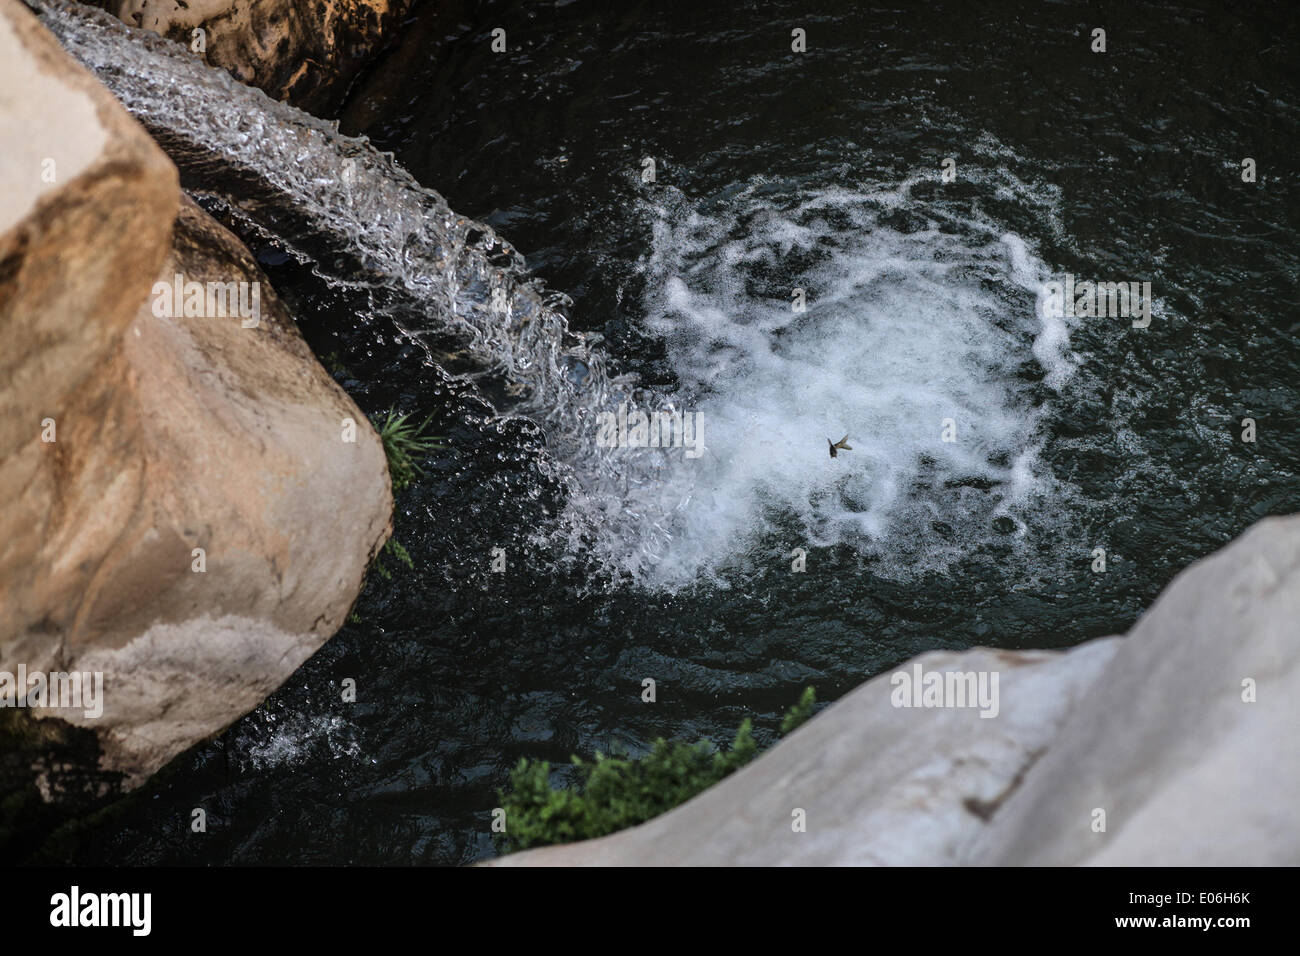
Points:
(613, 793)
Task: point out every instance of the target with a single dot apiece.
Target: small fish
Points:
(839, 444)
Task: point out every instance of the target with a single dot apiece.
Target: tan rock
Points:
(302, 51)
(88, 200)
(171, 434)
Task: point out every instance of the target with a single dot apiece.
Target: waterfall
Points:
(361, 221)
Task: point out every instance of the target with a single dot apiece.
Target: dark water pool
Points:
(775, 171)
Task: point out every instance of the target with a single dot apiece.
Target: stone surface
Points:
(88, 200)
(1188, 773)
(304, 51)
(172, 433)
(1151, 728)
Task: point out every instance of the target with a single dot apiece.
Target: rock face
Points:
(1163, 731)
(80, 176)
(1188, 772)
(181, 511)
(302, 51)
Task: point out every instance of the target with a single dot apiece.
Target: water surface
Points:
(777, 171)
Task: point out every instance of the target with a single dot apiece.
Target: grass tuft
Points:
(404, 443)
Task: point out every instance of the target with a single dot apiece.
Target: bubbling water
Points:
(921, 321)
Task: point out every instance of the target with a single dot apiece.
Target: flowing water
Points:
(925, 313)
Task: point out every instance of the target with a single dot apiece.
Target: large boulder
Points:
(305, 52)
(1187, 741)
(1172, 746)
(182, 512)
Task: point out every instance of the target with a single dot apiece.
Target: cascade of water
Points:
(360, 220)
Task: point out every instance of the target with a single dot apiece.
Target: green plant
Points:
(800, 712)
(612, 793)
(404, 442)
(394, 547)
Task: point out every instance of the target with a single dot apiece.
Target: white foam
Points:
(909, 322)
(1053, 340)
